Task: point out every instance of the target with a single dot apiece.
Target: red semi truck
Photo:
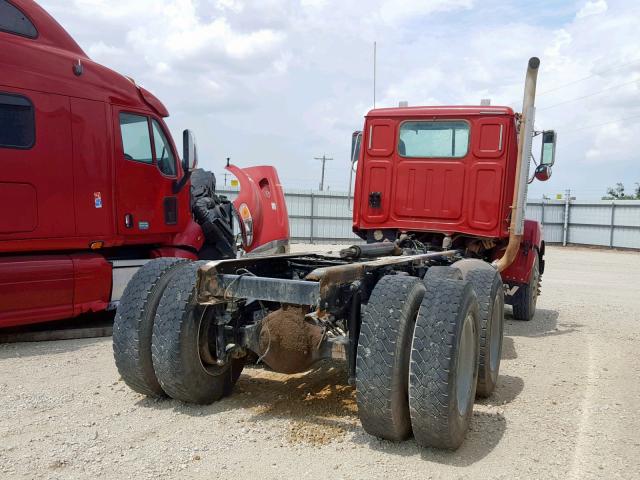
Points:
(92, 186)
(416, 312)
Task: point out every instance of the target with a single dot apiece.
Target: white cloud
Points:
(282, 81)
(608, 142)
(592, 7)
(395, 11)
(233, 5)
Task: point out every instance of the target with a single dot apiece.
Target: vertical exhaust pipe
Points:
(516, 228)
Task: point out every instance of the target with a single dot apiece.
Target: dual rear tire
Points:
(417, 359)
(487, 284)
(162, 339)
(183, 345)
(444, 363)
(133, 324)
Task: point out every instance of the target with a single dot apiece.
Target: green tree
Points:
(617, 193)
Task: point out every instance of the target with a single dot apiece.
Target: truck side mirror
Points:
(356, 140)
(189, 152)
(548, 153)
(189, 160)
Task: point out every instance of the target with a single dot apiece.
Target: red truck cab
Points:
(91, 183)
(445, 176)
(440, 169)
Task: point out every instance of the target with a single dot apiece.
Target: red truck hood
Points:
(262, 193)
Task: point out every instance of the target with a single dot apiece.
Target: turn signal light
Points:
(247, 224)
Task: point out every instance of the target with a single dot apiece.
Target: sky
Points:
(283, 81)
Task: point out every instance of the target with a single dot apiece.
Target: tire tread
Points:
(133, 325)
(382, 356)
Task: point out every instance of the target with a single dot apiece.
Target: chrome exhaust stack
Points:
(525, 138)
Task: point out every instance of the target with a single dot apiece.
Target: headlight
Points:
(247, 224)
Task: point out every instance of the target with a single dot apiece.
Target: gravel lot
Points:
(566, 405)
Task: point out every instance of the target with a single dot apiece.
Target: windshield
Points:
(166, 162)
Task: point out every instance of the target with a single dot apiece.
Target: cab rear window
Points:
(425, 139)
(12, 20)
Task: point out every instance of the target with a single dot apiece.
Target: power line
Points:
(323, 159)
(589, 95)
(585, 127)
(588, 77)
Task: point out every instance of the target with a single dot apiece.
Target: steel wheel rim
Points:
(496, 340)
(535, 285)
(206, 357)
(466, 367)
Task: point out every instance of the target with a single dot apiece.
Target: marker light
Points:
(247, 224)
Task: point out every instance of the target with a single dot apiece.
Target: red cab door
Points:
(146, 171)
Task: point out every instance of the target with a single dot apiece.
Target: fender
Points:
(519, 271)
(262, 193)
(173, 252)
(191, 237)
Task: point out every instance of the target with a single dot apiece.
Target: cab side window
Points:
(14, 21)
(17, 122)
(164, 155)
(136, 141)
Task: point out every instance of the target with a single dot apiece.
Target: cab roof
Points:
(440, 111)
(46, 63)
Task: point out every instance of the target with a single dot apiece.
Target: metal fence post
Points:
(613, 223)
(311, 219)
(565, 229)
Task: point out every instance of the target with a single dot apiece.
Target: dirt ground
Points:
(566, 405)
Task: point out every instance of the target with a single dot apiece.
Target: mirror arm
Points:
(178, 185)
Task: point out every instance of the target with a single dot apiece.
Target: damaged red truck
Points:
(92, 186)
(417, 312)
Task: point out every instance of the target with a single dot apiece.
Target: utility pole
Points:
(324, 159)
(565, 226)
(225, 173)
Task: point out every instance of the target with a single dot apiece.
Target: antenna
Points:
(374, 74)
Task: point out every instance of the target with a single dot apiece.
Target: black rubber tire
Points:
(487, 284)
(382, 360)
(203, 183)
(133, 324)
(525, 300)
(438, 362)
(214, 213)
(443, 271)
(175, 345)
(215, 218)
